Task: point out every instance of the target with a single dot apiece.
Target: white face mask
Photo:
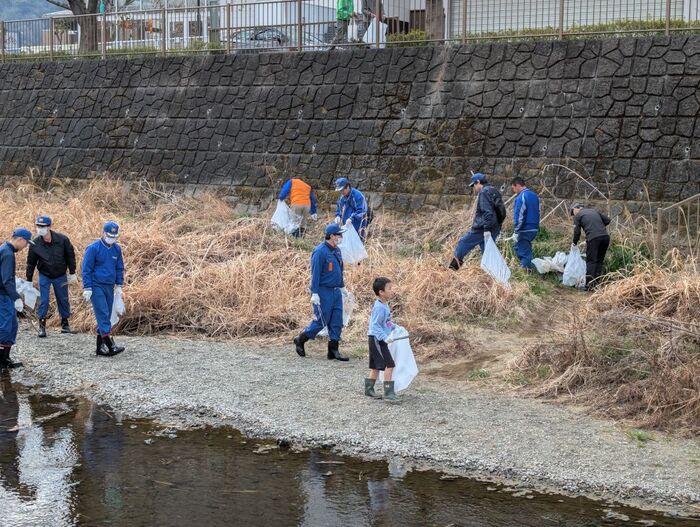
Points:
(109, 241)
(42, 231)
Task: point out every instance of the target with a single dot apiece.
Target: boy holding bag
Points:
(380, 326)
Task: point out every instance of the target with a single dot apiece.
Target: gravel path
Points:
(274, 393)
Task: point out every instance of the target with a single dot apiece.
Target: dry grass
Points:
(632, 352)
(195, 268)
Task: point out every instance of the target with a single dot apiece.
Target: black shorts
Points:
(379, 355)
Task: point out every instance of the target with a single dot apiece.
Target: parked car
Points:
(273, 39)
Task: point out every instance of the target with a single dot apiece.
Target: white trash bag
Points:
(282, 218)
(118, 308)
(548, 263)
(370, 37)
(28, 292)
(348, 307)
(575, 270)
(493, 263)
(406, 368)
(351, 246)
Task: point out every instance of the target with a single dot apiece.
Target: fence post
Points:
(163, 32)
(668, 17)
(659, 226)
(103, 32)
(2, 41)
(465, 8)
(561, 19)
(228, 28)
(300, 30)
(52, 30)
(377, 19)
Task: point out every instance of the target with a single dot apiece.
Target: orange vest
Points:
(300, 193)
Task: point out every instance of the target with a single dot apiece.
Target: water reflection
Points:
(70, 462)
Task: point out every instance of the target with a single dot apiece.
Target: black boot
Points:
(333, 352)
(42, 328)
(6, 361)
(65, 327)
(299, 342)
(455, 264)
(113, 348)
(101, 347)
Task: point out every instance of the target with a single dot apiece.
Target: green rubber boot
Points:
(389, 393)
(369, 389)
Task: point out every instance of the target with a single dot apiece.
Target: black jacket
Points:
(52, 259)
(593, 223)
(485, 218)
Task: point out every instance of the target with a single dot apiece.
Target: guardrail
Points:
(294, 25)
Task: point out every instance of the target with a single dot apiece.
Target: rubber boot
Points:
(42, 328)
(113, 348)
(101, 349)
(7, 361)
(389, 393)
(3, 358)
(455, 264)
(299, 342)
(333, 353)
(369, 389)
(65, 327)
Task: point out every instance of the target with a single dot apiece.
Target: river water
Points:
(68, 461)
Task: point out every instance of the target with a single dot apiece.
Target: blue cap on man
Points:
(478, 177)
(25, 234)
(334, 228)
(111, 229)
(43, 221)
(341, 183)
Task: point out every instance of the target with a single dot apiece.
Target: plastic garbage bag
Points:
(118, 308)
(406, 368)
(549, 264)
(27, 291)
(351, 247)
(348, 307)
(575, 269)
(370, 37)
(493, 263)
(282, 219)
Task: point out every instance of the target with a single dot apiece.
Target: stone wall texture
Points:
(406, 124)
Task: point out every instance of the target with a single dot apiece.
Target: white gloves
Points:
(19, 305)
(118, 290)
(315, 300)
(349, 222)
(515, 237)
(72, 279)
(389, 340)
(314, 216)
(343, 291)
(337, 220)
(87, 295)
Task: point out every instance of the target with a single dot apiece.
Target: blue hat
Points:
(341, 183)
(111, 229)
(478, 177)
(334, 228)
(23, 233)
(43, 221)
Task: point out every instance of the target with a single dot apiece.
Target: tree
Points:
(88, 24)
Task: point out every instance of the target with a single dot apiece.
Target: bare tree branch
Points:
(59, 3)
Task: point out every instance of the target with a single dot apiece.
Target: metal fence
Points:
(249, 26)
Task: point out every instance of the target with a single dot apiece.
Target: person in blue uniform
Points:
(10, 301)
(327, 289)
(351, 207)
(103, 275)
(526, 221)
(53, 255)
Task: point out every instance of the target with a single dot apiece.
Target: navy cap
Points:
(341, 183)
(111, 229)
(23, 233)
(478, 177)
(43, 221)
(334, 228)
